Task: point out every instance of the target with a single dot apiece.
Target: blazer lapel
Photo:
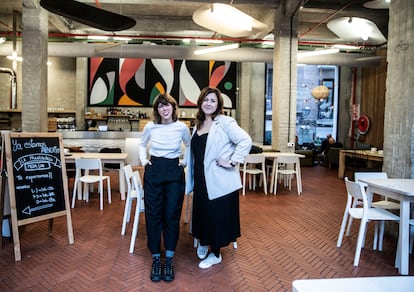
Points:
(211, 135)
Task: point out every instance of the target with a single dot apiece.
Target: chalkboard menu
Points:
(37, 173)
(37, 182)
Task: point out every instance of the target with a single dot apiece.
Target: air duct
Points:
(13, 87)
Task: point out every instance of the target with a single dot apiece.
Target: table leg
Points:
(401, 261)
(341, 166)
(272, 180)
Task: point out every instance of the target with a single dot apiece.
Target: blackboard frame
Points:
(33, 160)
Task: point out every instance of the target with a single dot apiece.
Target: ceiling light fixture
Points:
(356, 29)
(317, 52)
(227, 20)
(378, 4)
(203, 41)
(216, 49)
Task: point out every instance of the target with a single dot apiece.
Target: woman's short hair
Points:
(164, 99)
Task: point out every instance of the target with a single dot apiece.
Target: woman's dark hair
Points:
(164, 99)
(200, 116)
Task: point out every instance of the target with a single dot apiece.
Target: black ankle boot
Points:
(156, 269)
(168, 274)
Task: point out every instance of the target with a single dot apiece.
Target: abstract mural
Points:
(133, 82)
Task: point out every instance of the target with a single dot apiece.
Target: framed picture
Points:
(135, 82)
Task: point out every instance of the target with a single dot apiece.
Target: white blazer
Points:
(226, 140)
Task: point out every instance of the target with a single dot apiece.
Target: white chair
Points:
(291, 168)
(132, 148)
(136, 192)
(253, 165)
(384, 204)
(356, 191)
(83, 167)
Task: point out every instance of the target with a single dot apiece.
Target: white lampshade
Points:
(227, 20)
(356, 29)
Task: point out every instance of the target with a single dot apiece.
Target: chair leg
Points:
(360, 241)
(381, 235)
(375, 242)
(342, 230)
(75, 186)
(127, 210)
(109, 190)
(135, 226)
(187, 208)
(244, 183)
(100, 195)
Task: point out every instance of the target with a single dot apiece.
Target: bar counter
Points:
(92, 141)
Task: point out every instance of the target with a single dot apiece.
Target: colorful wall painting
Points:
(134, 82)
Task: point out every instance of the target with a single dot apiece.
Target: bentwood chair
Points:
(254, 164)
(83, 168)
(135, 193)
(365, 213)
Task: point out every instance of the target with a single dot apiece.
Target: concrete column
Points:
(81, 91)
(284, 79)
(252, 98)
(34, 67)
(399, 96)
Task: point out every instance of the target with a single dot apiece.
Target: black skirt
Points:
(215, 222)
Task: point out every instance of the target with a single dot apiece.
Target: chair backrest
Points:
(137, 186)
(355, 191)
(361, 175)
(251, 161)
(88, 164)
(254, 158)
(132, 148)
(128, 174)
(288, 159)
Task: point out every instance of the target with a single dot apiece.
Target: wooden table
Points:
(364, 154)
(105, 158)
(272, 155)
(360, 284)
(403, 191)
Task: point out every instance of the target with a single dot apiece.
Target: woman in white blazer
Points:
(218, 144)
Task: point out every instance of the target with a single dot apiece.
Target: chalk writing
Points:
(37, 173)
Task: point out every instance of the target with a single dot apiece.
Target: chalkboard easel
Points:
(37, 181)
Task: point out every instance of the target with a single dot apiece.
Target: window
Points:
(315, 118)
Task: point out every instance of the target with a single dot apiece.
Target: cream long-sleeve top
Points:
(164, 140)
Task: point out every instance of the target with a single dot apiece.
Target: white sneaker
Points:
(210, 261)
(202, 251)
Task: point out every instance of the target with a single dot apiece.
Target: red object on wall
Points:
(363, 124)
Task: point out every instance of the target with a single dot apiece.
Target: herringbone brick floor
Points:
(284, 237)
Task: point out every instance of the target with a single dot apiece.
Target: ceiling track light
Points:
(317, 52)
(216, 49)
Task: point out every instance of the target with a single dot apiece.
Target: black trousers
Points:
(164, 187)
